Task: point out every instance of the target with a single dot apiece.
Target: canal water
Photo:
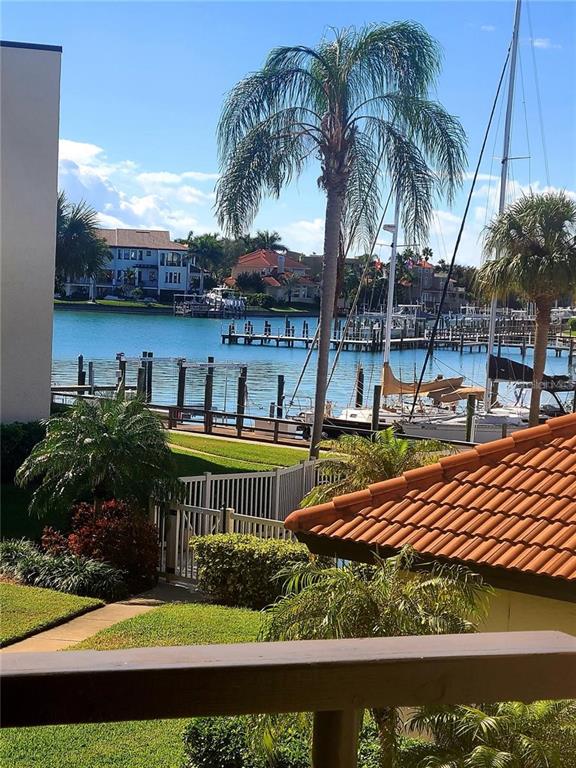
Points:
(99, 336)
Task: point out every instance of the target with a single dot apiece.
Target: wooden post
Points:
(571, 351)
(359, 386)
(181, 382)
(470, 408)
(121, 359)
(149, 377)
(376, 408)
(461, 343)
(335, 739)
(141, 381)
(91, 376)
(81, 380)
(208, 392)
(241, 400)
(280, 397)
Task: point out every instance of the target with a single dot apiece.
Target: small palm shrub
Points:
(241, 570)
(23, 561)
(113, 534)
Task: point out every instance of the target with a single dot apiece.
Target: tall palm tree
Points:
(506, 735)
(358, 104)
(535, 242)
(103, 449)
(270, 241)
(376, 601)
(352, 463)
(80, 252)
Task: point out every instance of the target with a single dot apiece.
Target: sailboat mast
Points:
(391, 282)
(503, 184)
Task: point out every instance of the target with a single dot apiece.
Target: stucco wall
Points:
(515, 612)
(29, 115)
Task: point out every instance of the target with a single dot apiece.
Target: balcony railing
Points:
(334, 679)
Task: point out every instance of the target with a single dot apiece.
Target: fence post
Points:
(275, 511)
(207, 491)
(229, 520)
(335, 739)
(171, 532)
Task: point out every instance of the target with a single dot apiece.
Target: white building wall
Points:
(29, 117)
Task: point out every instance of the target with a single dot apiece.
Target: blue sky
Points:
(143, 83)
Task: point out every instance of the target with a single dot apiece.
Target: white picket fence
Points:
(253, 503)
(272, 494)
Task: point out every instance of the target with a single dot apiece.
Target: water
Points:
(99, 336)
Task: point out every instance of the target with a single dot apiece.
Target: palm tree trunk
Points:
(334, 206)
(386, 722)
(543, 310)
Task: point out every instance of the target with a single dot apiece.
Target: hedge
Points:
(240, 570)
(16, 441)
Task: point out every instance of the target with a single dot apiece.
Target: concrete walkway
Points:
(75, 630)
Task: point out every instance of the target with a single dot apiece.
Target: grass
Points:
(153, 743)
(256, 455)
(27, 610)
(113, 303)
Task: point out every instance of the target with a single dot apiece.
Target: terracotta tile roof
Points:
(267, 258)
(271, 281)
(508, 504)
(140, 238)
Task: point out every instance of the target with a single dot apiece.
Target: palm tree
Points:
(352, 463)
(269, 241)
(291, 281)
(535, 242)
(103, 449)
(376, 601)
(79, 250)
(506, 735)
(358, 104)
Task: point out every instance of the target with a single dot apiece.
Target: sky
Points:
(143, 84)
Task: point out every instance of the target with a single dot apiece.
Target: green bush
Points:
(259, 300)
(16, 443)
(23, 561)
(240, 570)
(224, 742)
(571, 324)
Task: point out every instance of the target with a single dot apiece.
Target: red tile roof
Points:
(271, 281)
(268, 258)
(509, 504)
(140, 238)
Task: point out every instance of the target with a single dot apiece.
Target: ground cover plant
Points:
(27, 610)
(153, 743)
(24, 562)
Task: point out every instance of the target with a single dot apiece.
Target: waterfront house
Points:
(427, 285)
(283, 276)
(505, 509)
(144, 259)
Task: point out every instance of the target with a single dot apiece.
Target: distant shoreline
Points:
(167, 310)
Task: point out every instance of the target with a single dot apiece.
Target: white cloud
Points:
(305, 235)
(127, 196)
(487, 28)
(543, 42)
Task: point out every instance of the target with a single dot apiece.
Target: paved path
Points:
(75, 630)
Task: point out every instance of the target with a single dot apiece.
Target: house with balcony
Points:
(284, 277)
(144, 259)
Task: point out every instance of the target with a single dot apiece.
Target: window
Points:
(126, 253)
(178, 276)
(119, 274)
(133, 255)
(148, 254)
(169, 277)
(162, 259)
(140, 255)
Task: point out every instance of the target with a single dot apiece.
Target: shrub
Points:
(224, 742)
(17, 441)
(571, 324)
(21, 560)
(240, 570)
(115, 535)
(259, 300)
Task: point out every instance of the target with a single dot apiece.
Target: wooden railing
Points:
(334, 679)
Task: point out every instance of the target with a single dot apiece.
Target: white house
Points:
(145, 259)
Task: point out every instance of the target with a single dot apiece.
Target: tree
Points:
(290, 282)
(353, 462)
(376, 601)
(534, 240)
(357, 103)
(505, 735)
(251, 282)
(270, 241)
(79, 250)
(104, 449)
(207, 250)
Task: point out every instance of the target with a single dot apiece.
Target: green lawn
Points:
(27, 610)
(113, 303)
(228, 453)
(148, 744)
